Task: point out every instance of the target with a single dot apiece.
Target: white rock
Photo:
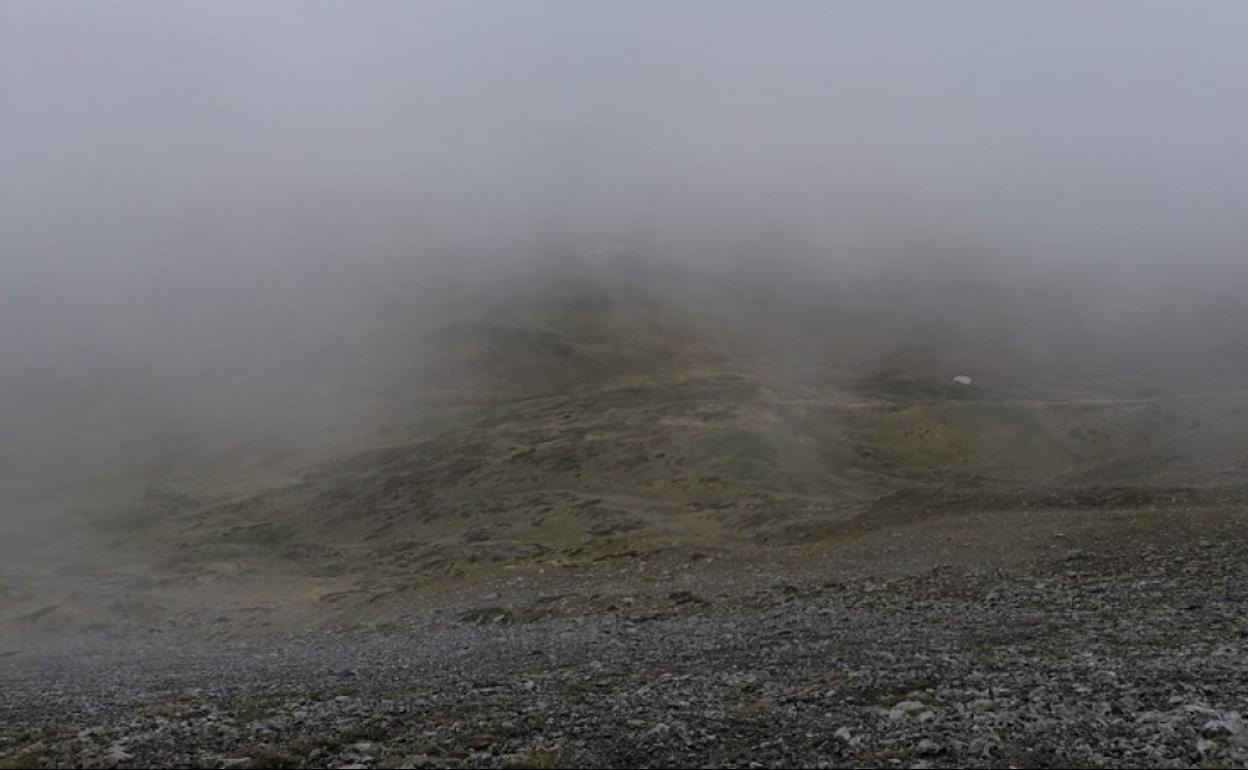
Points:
(928, 747)
(117, 754)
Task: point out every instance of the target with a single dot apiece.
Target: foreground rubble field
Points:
(1130, 652)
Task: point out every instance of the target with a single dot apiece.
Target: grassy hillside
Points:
(561, 429)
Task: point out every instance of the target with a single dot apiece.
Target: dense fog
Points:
(221, 211)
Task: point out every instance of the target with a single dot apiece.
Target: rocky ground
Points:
(1094, 651)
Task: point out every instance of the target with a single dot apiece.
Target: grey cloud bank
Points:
(184, 186)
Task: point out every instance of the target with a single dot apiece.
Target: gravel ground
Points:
(1133, 658)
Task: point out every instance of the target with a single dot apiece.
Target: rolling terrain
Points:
(632, 492)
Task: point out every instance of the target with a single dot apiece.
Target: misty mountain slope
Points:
(596, 427)
(527, 384)
(473, 433)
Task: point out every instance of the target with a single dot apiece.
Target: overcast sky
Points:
(174, 172)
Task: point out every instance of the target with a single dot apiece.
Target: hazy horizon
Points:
(192, 192)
